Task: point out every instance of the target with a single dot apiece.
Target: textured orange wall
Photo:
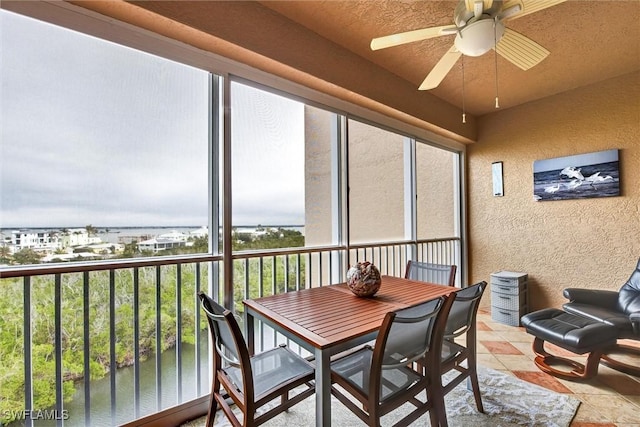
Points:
(593, 243)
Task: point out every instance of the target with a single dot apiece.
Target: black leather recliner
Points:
(620, 309)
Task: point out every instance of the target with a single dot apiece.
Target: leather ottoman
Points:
(576, 334)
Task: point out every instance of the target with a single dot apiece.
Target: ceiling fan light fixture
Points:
(479, 37)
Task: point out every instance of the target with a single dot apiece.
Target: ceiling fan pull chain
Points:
(464, 116)
(495, 56)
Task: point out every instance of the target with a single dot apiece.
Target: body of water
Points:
(125, 409)
(128, 234)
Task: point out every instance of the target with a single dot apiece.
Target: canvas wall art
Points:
(577, 177)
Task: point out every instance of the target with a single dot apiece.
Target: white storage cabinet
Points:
(509, 297)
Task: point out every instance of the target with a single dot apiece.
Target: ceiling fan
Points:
(478, 27)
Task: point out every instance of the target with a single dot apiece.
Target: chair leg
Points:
(213, 403)
(472, 366)
(212, 412)
(473, 378)
(438, 412)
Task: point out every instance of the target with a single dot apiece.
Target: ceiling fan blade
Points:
(471, 4)
(510, 8)
(529, 6)
(412, 36)
(520, 50)
(441, 69)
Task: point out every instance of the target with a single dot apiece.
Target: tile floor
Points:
(609, 399)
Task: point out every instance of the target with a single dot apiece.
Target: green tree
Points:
(27, 256)
(130, 249)
(72, 304)
(273, 238)
(200, 245)
(5, 255)
(91, 230)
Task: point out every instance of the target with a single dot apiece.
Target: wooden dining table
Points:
(328, 320)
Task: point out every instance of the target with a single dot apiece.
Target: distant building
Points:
(67, 257)
(200, 232)
(158, 244)
(127, 239)
(105, 248)
(77, 237)
(173, 239)
(50, 242)
(173, 235)
(41, 241)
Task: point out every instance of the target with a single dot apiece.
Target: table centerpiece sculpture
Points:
(363, 279)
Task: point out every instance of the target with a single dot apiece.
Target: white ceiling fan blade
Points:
(510, 8)
(529, 6)
(471, 4)
(412, 36)
(441, 69)
(520, 50)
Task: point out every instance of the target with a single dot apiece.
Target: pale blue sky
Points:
(95, 133)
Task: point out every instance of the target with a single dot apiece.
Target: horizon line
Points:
(147, 226)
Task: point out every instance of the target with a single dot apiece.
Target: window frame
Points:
(91, 23)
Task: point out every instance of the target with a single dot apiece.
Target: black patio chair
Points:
(251, 381)
(380, 378)
(456, 356)
(620, 309)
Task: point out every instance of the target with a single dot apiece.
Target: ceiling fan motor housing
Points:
(479, 37)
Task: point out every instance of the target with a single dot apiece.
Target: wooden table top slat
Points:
(301, 303)
(331, 315)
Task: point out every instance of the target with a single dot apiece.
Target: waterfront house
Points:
(158, 244)
(40, 241)
(173, 239)
(77, 237)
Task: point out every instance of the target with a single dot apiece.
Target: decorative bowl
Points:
(363, 279)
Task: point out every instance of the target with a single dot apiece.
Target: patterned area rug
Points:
(508, 402)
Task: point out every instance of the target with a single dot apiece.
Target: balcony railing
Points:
(77, 327)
